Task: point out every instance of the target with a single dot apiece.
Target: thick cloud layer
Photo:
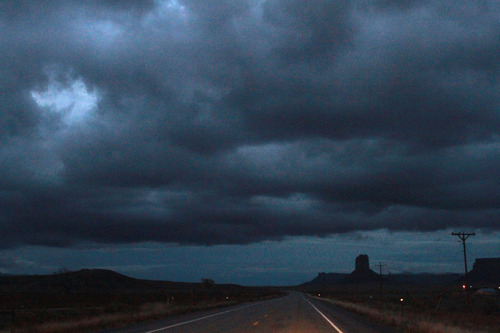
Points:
(213, 122)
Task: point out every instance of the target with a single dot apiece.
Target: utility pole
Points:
(463, 237)
(380, 265)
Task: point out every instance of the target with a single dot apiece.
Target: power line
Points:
(380, 265)
(463, 237)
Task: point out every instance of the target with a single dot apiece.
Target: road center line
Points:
(201, 318)
(325, 317)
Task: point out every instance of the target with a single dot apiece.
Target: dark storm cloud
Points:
(308, 29)
(235, 122)
(22, 9)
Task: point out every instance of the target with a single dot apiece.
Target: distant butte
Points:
(485, 273)
(362, 272)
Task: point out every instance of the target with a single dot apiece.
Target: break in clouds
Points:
(218, 122)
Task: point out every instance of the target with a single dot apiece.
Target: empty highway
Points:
(292, 313)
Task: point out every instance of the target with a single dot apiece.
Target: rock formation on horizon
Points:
(362, 263)
(362, 272)
(485, 273)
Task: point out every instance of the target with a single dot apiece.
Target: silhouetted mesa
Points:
(325, 279)
(485, 273)
(362, 272)
(362, 263)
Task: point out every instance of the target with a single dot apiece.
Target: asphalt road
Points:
(292, 313)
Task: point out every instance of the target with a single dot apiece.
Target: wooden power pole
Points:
(463, 237)
(380, 265)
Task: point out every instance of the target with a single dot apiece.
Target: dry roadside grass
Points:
(147, 311)
(94, 299)
(410, 322)
(112, 314)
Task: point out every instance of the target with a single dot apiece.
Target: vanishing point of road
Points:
(292, 313)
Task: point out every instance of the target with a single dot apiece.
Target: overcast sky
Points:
(236, 132)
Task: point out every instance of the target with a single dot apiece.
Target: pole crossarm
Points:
(380, 265)
(463, 235)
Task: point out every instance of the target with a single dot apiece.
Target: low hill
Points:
(92, 280)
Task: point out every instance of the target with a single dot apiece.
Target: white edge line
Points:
(325, 317)
(201, 318)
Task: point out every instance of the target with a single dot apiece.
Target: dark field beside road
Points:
(419, 309)
(96, 299)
